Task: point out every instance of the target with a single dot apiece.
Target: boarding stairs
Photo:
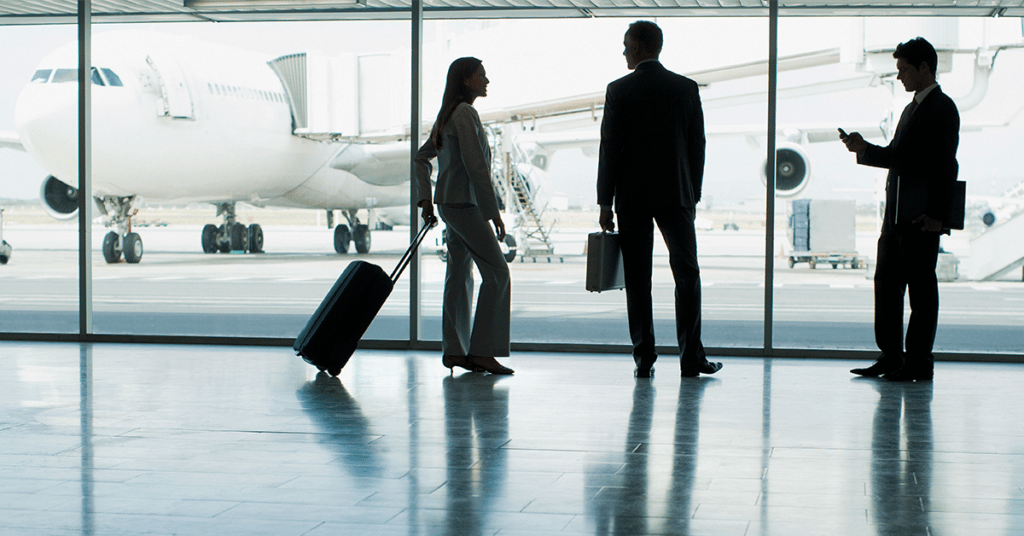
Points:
(510, 175)
(999, 249)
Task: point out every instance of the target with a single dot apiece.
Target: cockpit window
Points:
(65, 75)
(112, 78)
(71, 75)
(41, 76)
(96, 79)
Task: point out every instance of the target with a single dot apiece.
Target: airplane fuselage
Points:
(183, 121)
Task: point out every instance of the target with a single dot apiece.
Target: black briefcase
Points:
(604, 262)
(332, 333)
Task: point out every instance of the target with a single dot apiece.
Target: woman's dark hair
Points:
(455, 93)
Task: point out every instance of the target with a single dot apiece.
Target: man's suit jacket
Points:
(921, 159)
(652, 141)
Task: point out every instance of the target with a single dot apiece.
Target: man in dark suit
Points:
(651, 167)
(921, 159)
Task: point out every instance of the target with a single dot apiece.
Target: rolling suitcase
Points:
(332, 333)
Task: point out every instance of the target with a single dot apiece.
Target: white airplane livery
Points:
(178, 121)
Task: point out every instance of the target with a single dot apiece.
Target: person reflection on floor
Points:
(342, 425)
(901, 479)
(684, 454)
(620, 508)
(476, 427)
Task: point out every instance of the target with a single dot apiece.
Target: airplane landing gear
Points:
(114, 245)
(255, 233)
(342, 237)
(231, 235)
(112, 248)
(355, 232)
(123, 241)
(361, 238)
(132, 248)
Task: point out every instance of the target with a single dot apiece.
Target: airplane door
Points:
(176, 101)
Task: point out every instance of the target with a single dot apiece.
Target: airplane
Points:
(180, 120)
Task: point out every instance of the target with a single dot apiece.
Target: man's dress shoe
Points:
(882, 366)
(644, 367)
(707, 367)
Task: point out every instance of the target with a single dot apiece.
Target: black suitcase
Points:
(332, 333)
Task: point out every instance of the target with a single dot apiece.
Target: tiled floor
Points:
(161, 440)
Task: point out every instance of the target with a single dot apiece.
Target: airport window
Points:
(112, 78)
(65, 75)
(41, 76)
(827, 305)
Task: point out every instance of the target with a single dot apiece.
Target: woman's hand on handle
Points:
(428, 213)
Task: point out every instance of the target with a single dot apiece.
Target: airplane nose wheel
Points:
(114, 245)
(112, 248)
(132, 248)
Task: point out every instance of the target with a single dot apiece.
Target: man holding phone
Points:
(921, 159)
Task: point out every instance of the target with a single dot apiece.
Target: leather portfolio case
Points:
(604, 262)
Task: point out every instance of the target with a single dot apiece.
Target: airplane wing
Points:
(811, 133)
(592, 103)
(10, 140)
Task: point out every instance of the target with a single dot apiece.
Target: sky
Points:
(536, 60)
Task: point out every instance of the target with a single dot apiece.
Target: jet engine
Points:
(792, 170)
(59, 199)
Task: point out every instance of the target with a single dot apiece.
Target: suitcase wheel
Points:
(334, 371)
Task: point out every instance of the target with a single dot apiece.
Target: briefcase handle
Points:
(407, 258)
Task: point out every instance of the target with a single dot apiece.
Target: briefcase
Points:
(333, 332)
(604, 262)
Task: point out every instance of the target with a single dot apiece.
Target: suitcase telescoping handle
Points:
(407, 258)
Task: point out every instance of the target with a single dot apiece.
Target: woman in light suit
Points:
(466, 201)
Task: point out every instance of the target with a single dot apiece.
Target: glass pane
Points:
(219, 211)
(828, 231)
(38, 125)
(555, 157)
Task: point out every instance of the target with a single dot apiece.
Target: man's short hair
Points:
(918, 51)
(647, 35)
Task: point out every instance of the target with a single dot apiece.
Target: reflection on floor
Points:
(132, 439)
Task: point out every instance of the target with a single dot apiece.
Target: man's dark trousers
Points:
(906, 259)
(636, 238)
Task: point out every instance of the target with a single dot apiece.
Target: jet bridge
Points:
(341, 97)
(1000, 248)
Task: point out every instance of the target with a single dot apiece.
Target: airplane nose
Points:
(46, 118)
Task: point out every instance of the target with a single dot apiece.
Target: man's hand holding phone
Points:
(854, 142)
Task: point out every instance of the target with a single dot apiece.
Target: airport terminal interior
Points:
(114, 439)
(159, 395)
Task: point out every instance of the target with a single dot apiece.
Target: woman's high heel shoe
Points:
(489, 364)
(452, 361)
